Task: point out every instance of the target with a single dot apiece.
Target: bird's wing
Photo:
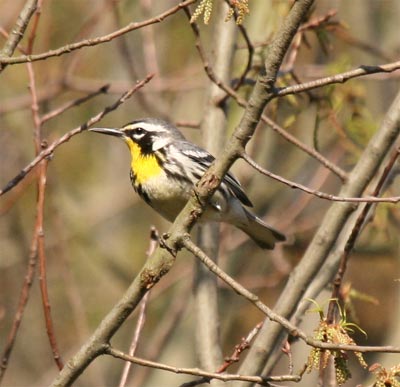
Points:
(203, 160)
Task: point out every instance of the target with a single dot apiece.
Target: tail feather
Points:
(264, 235)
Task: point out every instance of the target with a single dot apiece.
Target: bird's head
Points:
(149, 134)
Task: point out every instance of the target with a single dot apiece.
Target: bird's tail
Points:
(265, 236)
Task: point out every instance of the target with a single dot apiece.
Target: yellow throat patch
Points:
(144, 166)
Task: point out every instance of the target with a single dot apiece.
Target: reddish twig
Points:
(239, 348)
(42, 178)
(66, 137)
(287, 350)
(42, 270)
(355, 232)
(234, 358)
(11, 44)
(318, 21)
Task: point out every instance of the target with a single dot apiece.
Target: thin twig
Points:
(199, 372)
(43, 272)
(32, 262)
(66, 137)
(318, 21)
(39, 144)
(319, 194)
(239, 348)
(339, 78)
(37, 245)
(4, 60)
(287, 350)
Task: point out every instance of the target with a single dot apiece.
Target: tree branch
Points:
(321, 195)
(338, 78)
(18, 31)
(4, 60)
(199, 372)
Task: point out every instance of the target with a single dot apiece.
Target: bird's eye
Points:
(139, 131)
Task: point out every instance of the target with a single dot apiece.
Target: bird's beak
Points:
(109, 131)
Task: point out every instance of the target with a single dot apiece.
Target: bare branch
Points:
(321, 195)
(339, 78)
(239, 348)
(93, 41)
(198, 372)
(18, 31)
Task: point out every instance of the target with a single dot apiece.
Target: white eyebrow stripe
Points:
(146, 126)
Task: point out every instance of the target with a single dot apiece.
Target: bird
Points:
(165, 167)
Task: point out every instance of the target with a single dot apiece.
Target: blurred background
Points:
(97, 230)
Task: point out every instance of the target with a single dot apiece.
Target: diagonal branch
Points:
(321, 195)
(18, 31)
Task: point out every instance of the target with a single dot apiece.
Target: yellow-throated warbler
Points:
(164, 168)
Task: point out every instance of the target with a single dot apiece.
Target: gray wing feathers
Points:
(204, 160)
